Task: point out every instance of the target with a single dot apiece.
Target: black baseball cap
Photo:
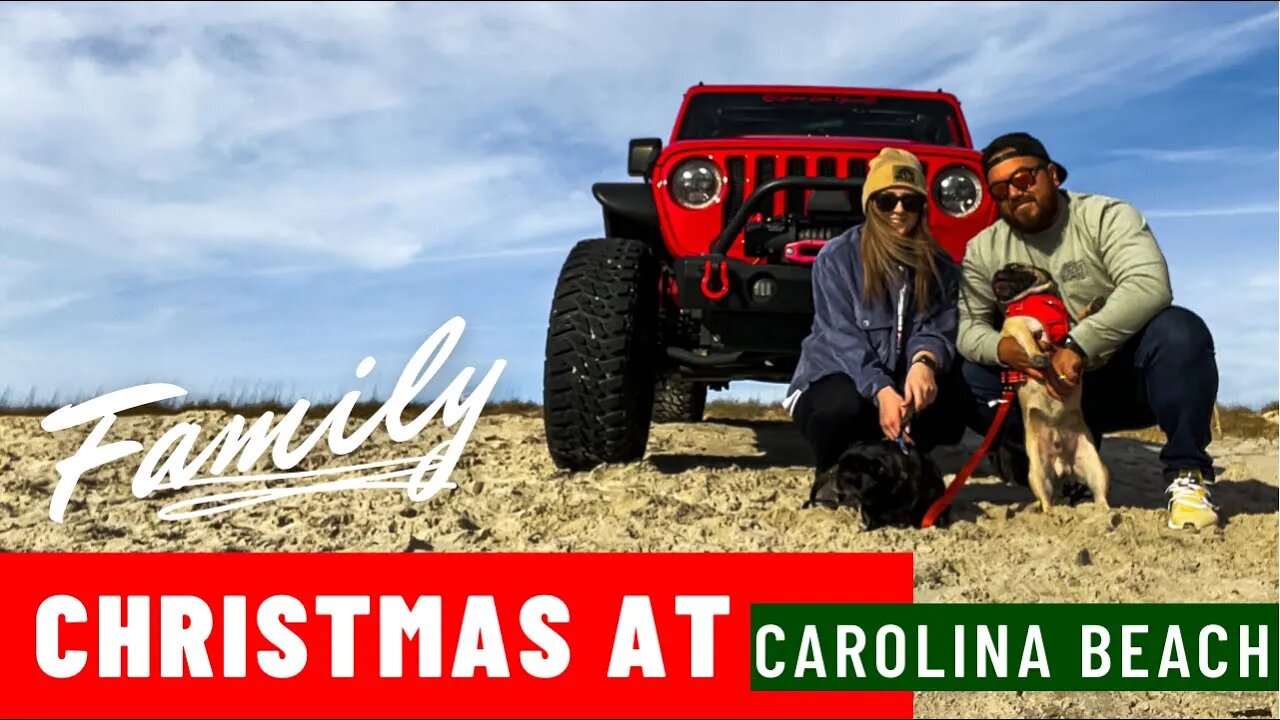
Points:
(1017, 144)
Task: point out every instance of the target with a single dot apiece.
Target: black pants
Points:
(1165, 375)
(832, 415)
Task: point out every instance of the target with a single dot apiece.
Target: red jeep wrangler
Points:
(703, 276)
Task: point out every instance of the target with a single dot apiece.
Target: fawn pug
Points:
(1059, 445)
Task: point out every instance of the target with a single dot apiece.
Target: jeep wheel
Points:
(598, 376)
(676, 399)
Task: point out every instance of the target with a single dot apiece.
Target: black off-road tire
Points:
(676, 399)
(598, 376)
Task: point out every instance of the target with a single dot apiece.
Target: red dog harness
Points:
(1049, 310)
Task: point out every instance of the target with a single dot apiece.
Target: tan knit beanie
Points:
(893, 168)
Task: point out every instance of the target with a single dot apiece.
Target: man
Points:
(1143, 361)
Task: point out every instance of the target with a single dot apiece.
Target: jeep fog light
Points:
(763, 289)
(957, 191)
(696, 183)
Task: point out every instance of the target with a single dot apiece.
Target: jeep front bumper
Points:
(764, 310)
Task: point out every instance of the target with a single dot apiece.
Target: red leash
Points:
(1010, 382)
(1053, 315)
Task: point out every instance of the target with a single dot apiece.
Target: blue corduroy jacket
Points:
(860, 339)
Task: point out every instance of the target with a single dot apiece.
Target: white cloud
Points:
(19, 308)
(368, 133)
(364, 218)
(1264, 282)
(515, 252)
(1198, 155)
(1238, 302)
(276, 139)
(1221, 211)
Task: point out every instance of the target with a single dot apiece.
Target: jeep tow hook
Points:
(803, 252)
(706, 280)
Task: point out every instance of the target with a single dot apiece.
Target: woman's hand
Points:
(921, 387)
(892, 410)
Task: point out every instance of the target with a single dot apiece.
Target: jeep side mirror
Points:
(641, 155)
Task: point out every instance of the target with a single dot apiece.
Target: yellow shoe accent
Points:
(1189, 504)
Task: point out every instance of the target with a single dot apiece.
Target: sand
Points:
(722, 485)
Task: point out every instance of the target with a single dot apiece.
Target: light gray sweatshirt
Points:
(1097, 247)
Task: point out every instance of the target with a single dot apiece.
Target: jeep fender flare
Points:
(629, 210)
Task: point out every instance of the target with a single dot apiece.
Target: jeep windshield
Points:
(716, 115)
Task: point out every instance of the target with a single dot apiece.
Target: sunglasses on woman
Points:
(1024, 179)
(911, 202)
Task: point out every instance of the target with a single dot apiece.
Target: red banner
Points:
(493, 634)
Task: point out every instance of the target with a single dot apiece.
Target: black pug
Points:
(887, 486)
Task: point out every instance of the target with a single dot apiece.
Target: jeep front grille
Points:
(736, 165)
(764, 167)
(795, 196)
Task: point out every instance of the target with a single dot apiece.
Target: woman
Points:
(881, 358)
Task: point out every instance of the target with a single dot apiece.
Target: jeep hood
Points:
(859, 145)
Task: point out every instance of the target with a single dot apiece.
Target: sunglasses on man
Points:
(911, 202)
(1024, 179)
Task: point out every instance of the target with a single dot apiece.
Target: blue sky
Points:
(252, 197)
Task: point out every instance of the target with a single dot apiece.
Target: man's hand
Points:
(892, 411)
(1064, 375)
(921, 387)
(1012, 354)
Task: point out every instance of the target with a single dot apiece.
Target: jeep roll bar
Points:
(739, 220)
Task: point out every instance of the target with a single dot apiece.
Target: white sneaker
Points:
(1189, 504)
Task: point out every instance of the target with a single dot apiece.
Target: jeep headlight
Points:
(696, 183)
(957, 191)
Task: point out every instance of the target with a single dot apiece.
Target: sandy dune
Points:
(731, 485)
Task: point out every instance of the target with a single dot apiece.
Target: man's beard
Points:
(1042, 220)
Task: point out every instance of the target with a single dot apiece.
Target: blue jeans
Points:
(1165, 375)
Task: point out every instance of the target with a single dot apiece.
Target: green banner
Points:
(1039, 646)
